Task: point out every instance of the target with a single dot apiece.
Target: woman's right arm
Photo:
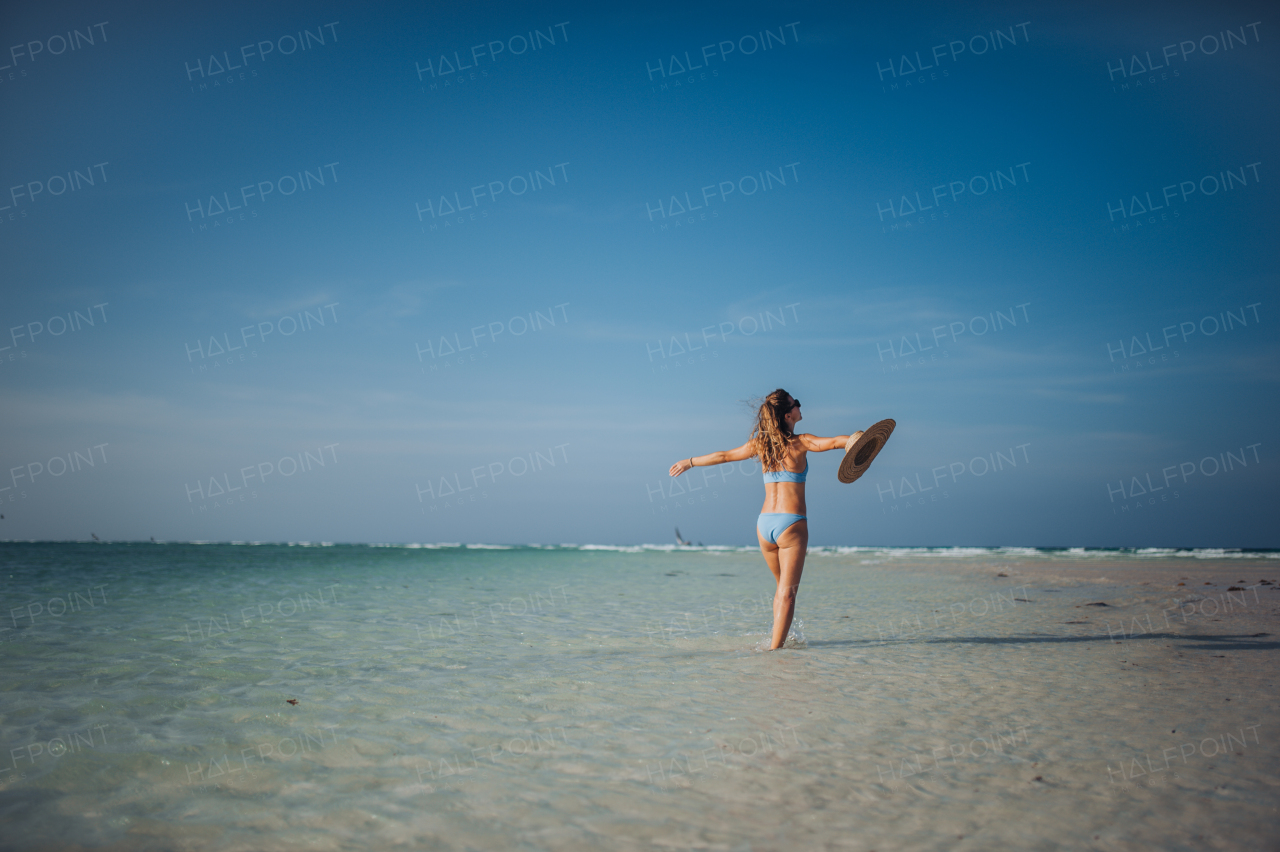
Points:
(742, 453)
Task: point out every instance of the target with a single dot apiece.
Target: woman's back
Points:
(784, 488)
(785, 475)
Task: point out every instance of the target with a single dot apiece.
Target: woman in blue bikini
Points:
(782, 528)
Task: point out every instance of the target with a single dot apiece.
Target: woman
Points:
(782, 528)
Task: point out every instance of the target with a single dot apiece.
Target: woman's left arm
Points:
(814, 444)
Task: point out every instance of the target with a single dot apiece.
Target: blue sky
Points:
(787, 210)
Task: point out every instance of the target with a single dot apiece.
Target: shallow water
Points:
(588, 698)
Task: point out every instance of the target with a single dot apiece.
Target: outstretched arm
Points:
(746, 451)
(814, 444)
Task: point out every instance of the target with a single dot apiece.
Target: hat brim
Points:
(859, 454)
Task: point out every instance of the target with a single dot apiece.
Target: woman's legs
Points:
(786, 561)
(770, 553)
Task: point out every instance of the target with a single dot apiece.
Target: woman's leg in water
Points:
(792, 546)
(770, 553)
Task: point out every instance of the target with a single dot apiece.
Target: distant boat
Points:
(95, 536)
(680, 541)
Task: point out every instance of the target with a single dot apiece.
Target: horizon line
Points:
(1149, 549)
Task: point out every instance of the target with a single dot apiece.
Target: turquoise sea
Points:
(315, 696)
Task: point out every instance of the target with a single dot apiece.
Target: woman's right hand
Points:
(680, 467)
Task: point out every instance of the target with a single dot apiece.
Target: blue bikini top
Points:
(787, 475)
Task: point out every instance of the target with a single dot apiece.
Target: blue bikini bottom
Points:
(773, 524)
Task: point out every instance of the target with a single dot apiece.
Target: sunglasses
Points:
(795, 403)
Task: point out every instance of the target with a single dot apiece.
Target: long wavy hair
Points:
(771, 435)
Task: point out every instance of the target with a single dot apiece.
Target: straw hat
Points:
(859, 454)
